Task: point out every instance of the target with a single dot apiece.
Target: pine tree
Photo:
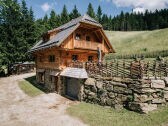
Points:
(17, 31)
(90, 11)
(32, 29)
(59, 23)
(64, 15)
(74, 13)
(24, 46)
(99, 14)
(53, 20)
(11, 34)
(105, 21)
(122, 21)
(46, 23)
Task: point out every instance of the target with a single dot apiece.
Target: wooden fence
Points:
(125, 69)
(21, 68)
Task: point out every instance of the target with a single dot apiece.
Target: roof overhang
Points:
(79, 73)
(107, 41)
(40, 70)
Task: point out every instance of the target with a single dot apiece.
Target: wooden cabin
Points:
(82, 39)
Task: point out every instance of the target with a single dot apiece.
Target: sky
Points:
(109, 7)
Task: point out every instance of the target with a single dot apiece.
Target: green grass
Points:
(96, 115)
(138, 41)
(28, 86)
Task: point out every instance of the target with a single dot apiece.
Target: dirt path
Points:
(18, 109)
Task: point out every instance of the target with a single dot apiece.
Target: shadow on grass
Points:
(32, 80)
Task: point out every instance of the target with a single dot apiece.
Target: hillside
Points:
(138, 41)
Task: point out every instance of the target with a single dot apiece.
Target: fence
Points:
(153, 54)
(125, 69)
(21, 68)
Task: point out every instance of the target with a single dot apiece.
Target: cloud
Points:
(145, 4)
(139, 10)
(105, 0)
(45, 7)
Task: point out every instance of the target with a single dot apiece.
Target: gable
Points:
(61, 35)
(96, 35)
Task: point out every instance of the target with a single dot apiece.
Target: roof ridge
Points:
(77, 20)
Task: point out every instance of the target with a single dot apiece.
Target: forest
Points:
(19, 30)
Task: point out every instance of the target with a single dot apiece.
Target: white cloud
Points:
(45, 7)
(139, 10)
(145, 4)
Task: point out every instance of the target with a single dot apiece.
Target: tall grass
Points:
(139, 42)
(154, 54)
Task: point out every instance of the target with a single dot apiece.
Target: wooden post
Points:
(106, 70)
(117, 67)
(124, 68)
(147, 69)
(155, 70)
(131, 69)
(140, 70)
(166, 70)
(111, 67)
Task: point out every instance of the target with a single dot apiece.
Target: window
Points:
(90, 58)
(74, 57)
(87, 38)
(51, 58)
(78, 36)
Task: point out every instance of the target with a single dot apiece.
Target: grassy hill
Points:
(138, 41)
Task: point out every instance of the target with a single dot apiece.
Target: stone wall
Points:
(138, 95)
(78, 82)
(50, 81)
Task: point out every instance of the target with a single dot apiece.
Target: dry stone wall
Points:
(141, 95)
(50, 81)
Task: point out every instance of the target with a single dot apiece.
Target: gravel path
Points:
(18, 109)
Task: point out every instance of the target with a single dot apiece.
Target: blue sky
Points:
(110, 7)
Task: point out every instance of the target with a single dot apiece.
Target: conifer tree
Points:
(64, 15)
(90, 11)
(74, 13)
(46, 23)
(53, 20)
(10, 36)
(99, 14)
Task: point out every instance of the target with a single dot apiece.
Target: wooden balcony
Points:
(83, 44)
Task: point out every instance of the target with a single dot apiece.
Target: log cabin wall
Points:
(68, 43)
(64, 53)
(96, 39)
(87, 32)
(42, 59)
(62, 58)
(82, 56)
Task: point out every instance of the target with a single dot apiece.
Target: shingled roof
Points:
(79, 73)
(64, 31)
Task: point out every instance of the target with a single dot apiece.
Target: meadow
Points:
(139, 42)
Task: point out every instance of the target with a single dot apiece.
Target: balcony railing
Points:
(83, 44)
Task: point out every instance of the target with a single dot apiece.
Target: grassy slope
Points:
(139, 41)
(96, 115)
(29, 88)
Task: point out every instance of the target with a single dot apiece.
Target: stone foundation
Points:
(138, 95)
(50, 81)
(64, 88)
